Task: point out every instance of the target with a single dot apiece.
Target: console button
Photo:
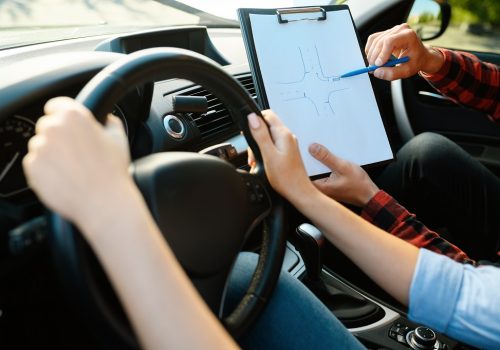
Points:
(422, 338)
(392, 333)
(174, 127)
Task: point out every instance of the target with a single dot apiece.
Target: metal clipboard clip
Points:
(299, 10)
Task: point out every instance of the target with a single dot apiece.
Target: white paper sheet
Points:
(299, 62)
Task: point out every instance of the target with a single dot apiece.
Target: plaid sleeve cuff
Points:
(467, 80)
(451, 57)
(438, 78)
(382, 211)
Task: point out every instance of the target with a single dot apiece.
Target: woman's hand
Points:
(280, 152)
(372, 249)
(347, 183)
(401, 41)
(77, 167)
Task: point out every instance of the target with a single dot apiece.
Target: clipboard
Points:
(302, 47)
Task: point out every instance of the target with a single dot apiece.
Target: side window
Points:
(474, 25)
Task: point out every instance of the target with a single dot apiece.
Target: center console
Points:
(375, 323)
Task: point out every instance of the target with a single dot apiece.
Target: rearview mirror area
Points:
(429, 18)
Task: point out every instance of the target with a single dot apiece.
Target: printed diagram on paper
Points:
(299, 64)
(314, 87)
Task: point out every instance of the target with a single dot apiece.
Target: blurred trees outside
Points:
(484, 12)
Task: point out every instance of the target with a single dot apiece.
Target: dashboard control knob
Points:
(174, 126)
(422, 338)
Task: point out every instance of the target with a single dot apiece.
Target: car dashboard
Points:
(31, 297)
(152, 119)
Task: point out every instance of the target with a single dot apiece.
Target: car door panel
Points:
(428, 110)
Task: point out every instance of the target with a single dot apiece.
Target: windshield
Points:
(24, 22)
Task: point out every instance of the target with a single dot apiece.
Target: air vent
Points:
(217, 120)
(247, 83)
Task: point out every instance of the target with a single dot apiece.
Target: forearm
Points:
(379, 255)
(468, 80)
(160, 301)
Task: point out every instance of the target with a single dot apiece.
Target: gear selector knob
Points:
(422, 338)
(310, 242)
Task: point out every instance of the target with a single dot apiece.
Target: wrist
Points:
(433, 61)
(367, 196)
(99, 215)
(301, 196)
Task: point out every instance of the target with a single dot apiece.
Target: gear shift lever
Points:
(350, 307)
(309, 246)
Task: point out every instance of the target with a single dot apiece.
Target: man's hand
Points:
(401, 41)
(347, 183)
(280, 152)
(77, 167)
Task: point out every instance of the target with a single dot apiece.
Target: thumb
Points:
(393, 73)
(260, 133)
(116, 130)
(322, 154)
(251, 157)
(322, 184)
(114, 123)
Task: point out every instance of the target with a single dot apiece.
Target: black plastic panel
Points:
(192, 38)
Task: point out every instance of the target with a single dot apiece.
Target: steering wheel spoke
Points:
(258, 197)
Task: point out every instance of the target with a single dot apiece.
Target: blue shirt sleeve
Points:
(459, 300)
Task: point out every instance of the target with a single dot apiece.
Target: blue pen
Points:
(390, 63)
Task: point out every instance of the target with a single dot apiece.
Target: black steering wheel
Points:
(204, 207)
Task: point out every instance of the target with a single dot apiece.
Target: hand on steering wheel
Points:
(73, 157)
(205, 246)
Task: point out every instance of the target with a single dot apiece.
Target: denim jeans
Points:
(293, 318)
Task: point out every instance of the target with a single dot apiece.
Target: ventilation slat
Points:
(216, 124)
(217, 130)
(217, 120)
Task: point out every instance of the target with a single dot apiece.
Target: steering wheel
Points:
(204, 207)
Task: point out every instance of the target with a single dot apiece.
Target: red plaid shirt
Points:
(384, 212)
(468, 81)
